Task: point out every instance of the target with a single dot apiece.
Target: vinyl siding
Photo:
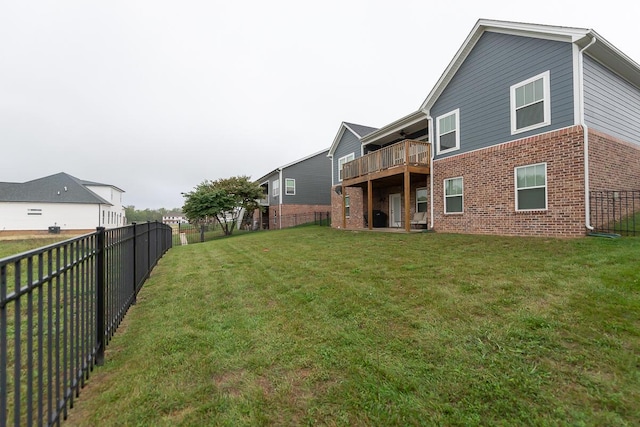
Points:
(313, 181)
(481, 88)
(349, 143)
(612, 105)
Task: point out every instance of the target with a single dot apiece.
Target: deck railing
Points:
(404, 153)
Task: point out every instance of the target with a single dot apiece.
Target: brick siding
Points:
(291, 215)
(489, 187)
(613, 164)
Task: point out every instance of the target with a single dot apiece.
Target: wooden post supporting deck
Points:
(370, 204)
(407, 189)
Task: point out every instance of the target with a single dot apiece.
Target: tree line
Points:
(138, 215)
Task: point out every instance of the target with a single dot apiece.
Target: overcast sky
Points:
(154, 96)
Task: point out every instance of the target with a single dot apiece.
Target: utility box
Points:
(54, 229)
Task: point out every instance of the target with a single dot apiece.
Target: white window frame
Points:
(444, 190)
(347, 206)
(275, 192)
(545, 186)
(342, 160)
(286, 186)
(425, 201)
(457, 130)
(546, 87)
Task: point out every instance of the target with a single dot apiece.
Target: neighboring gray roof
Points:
(360, 130)
(58, 188)
(264, 177)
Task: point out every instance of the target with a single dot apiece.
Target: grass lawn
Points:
(14, 247)
(318, 326)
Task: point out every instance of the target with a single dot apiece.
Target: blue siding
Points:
(348, 144)
(273, 201)
(612, 105)
(481, 87)
(313, 181)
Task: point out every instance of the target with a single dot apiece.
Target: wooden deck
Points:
(405, 156)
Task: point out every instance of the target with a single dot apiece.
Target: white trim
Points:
(548, 32)
(503, 143)
(286, 187)
(394, 127)
(444, 191)
(546, 85)
(457, 130)
(353, 155)
(545, 186)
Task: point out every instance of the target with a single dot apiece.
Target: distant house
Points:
(295, 192)
(525, 122)
(174, 217)
(62, 202)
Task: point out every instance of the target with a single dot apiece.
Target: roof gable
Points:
(360, 131)
(601, 50)
(58, 188)
(263, 178)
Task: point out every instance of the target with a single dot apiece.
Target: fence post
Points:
(135, 264)
(100, 297)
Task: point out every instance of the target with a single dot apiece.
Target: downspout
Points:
(585, 130)
(280, 199)
(432, 155)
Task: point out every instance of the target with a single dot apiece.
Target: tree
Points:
(223, 200)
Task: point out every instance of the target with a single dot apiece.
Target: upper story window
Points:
(290, 186)
(448, 135)
(531, 187)
(531, 104)
(276, 188)
(342, 161)
(453, 189)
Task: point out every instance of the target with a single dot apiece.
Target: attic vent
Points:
(34, 211)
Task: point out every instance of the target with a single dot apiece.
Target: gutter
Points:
(280, 199)
(432, 148)
(585, 130)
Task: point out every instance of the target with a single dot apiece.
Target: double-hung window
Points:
(342, 161)
(276, 188)
(289, 186)
(531, 104)
(531, 187)
(347, 206)
(421, 200)
(453, 189)
(448, 135)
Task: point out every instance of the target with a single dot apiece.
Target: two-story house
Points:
(59, 202)
(523, 124)
(295, 193)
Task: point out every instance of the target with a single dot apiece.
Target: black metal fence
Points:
(187, 233)
(616, 212)
(59, 307)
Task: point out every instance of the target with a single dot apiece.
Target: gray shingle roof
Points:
(360, 129)
(58, 188)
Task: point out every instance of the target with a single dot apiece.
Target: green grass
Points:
(14, 247)
(318, 326)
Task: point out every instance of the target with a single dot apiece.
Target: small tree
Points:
(223, 200)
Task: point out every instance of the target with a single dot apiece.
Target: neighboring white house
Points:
(174, 218)
(60, 200)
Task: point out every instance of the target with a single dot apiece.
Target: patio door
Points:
(395, 210)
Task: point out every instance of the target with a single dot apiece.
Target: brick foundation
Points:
(291, 215)
(613, 164)
(489, 187)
